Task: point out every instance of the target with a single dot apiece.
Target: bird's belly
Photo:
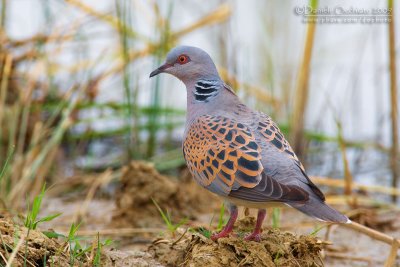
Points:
(255, 205)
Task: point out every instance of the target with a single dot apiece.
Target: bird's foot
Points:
(255, 236)
(223, 233)
(229, 226)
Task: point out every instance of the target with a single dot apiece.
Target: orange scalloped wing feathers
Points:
(222, 153)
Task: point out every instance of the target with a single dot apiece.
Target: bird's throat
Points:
(204, 90)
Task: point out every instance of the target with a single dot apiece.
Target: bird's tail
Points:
(321, 211)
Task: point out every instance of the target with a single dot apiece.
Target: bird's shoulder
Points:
(269, 134)
(281, 161)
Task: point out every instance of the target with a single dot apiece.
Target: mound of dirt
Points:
(36, 248)
(114, 258)
(275, 249)
(140, 183)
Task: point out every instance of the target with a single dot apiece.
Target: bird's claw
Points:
(221, 234)
(253, 237)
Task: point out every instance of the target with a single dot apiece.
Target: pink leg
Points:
(229, 226)
(256, 235)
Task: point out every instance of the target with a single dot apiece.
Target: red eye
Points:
(183, 59)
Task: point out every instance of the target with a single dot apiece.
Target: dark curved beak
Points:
(160, 69)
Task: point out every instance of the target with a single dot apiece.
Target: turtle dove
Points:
(236, 152)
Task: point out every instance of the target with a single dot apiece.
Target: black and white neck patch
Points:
(204, 89)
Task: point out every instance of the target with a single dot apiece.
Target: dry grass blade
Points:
(70, 183)
(37, 160)
(219, 15)
(117, 231)
(394, 152)
(348, 177)
(342, 200)
(38, 38)
(391, 260)
(371, 233)
(259, 93)
(25, 101)
(102, 180)
(3, 88)
(301, 93)
(335, 182)
(14, 252)
(2, 256)
(3, 14)
(113, 21)
(348, 257)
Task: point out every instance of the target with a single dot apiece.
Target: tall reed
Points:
(40, 116)
(394, 152)
(348, 177)
(302, 89)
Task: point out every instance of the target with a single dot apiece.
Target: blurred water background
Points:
(113, 45)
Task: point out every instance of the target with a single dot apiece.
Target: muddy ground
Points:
(35, 248)
(130, 218)
(141, 186)
(276, 248)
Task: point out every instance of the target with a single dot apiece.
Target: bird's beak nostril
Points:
(160, 69)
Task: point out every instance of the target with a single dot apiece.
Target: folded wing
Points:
(224, 157)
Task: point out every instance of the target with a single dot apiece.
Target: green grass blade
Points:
(276, 217)
(96, 261)
(6, 163)
(46, 219)
(164, 216)
(221, 221)
(317, 229)
(51, 234)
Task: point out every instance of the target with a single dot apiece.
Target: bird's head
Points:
(188, 63)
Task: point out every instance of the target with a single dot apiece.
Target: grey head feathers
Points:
(198, 66)
(194, 67)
